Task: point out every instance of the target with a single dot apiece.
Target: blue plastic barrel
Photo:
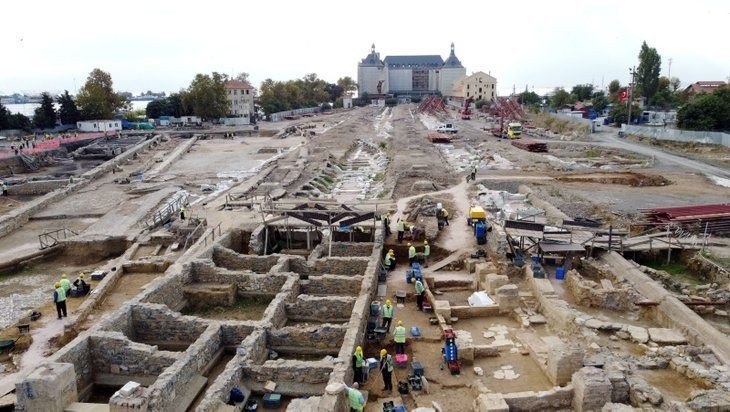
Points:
(560, 273)
(536, 258)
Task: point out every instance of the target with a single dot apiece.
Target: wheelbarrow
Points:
(7, 344)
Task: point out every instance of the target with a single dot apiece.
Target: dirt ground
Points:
(714, 154)
(578, 177)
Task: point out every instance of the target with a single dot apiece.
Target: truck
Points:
(466, 110)
(447, 128)
(514, 130)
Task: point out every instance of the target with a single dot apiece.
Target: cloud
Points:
(160, 45)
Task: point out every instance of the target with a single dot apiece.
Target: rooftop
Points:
(422, 61)
(235, 84)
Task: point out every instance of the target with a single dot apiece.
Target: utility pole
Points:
(632, 71)
(669, 73)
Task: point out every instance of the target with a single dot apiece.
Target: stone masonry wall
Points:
(589, 293)
(356, 332)
(36, 187)
(113, 353)
(342, 266)
(78, 353)
(325, 339)
(156, 323)
(347, 249)
(235, 261)
(321, 309)
(304, 373)
(557, 398)
(175, 380)
(332, 285)
(234, 332)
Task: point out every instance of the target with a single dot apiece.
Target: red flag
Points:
(624, 95)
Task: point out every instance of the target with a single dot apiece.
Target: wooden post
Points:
(669, 251)
(266, 238)
(309, 240)
(610, 237)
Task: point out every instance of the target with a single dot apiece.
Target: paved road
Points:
(610, 139)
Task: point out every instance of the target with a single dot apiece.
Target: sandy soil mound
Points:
(616, 178)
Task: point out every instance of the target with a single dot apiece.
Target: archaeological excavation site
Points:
(363, 256)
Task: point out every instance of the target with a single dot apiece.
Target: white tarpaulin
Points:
(480, 299)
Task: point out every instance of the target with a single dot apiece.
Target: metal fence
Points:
(661, 133)
(278, 116)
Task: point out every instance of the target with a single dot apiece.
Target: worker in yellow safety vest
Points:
(426, 252)
(411, 253)
(183, 213)
(386, 368)
(445, 214)
(357, 359)
(387, 311)
(59, 298)
(401, 230)
(386, 261)
(420, 293)
(399, 337)
(391, 253)
(354, 399)
(65, 283)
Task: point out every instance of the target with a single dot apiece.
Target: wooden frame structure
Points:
(315, 215)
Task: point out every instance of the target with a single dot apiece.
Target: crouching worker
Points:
(354, 399)
(81, 287)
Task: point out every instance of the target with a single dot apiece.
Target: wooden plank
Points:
(357, 219)
(302, 218)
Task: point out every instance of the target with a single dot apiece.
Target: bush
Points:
(620, 114)
(416, 99)
(325, 106)
(706, 112)
(391, 102)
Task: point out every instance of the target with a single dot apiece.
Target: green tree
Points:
(347, 84)
(560, 97)
(614, 86)
(308, 91)
(170, 106)
(706, 111)
(44, 116)
(647, 75)
(363, 100)
(620, 113)
(675, 83)
(4, 117)
(582, 92)
(663, 98)
(156, 108)
(242, 77)
(335, 91)
(528, 98)
(206, 95)
(599, 101)
(97, 99)
(67, 112)
(134, 115)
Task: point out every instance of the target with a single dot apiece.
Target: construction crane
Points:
(512, 111)
(466, 110)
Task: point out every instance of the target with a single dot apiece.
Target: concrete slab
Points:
(666, 336)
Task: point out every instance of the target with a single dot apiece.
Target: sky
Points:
(160, 45)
